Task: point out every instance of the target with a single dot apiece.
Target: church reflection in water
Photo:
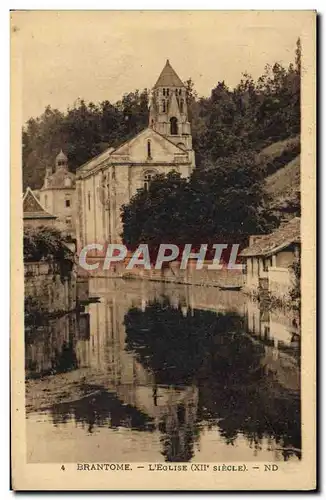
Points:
(200, 372)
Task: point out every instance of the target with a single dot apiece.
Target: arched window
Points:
(173, 126)
(181, 105)
(167, 92)
(149, 150)
(163, 106)
(164, 92)
(148, 176)
(46, 201)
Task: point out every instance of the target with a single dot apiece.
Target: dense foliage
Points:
(221, 203)
(249, 116)
(45, 243)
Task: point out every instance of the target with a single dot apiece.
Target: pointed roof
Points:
(154, 132)
(168, 77)
(32, 208)
(108, 154)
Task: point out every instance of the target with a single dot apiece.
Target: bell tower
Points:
(168, 111)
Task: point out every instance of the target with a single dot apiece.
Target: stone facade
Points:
(108, 181)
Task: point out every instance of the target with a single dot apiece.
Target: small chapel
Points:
(109, 180)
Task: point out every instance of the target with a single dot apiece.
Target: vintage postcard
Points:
(163, 226)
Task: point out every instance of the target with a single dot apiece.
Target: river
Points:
(158, 372)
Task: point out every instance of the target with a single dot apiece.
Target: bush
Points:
(45, 243)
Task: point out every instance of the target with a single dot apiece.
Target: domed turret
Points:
(61, 160)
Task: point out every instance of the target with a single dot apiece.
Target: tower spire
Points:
(168, 77)
(168, 111)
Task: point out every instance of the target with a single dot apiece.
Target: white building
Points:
(109, 180)
(58, 194)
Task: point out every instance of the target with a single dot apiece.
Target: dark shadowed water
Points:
(158, 372)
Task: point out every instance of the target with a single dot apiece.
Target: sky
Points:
(100, 55)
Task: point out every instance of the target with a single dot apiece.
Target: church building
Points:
(109, 180)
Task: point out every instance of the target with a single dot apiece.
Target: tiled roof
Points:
(269, 244)
(168, 77)
(32, 208)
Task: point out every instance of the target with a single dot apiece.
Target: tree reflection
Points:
(101, 409)
(172, 345)
(212, 352)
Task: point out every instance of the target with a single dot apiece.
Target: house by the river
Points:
(269, 258)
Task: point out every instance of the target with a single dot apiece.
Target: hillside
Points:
(283, 190)
(280, 164)
(279, 154)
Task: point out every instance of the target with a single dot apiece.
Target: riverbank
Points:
(172, 274)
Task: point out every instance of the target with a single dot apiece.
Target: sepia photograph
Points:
(164, 334)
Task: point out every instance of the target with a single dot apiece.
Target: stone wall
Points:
(47, 289)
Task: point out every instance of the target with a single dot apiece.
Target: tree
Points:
(222, 202)
(157, 214)
(229, 199)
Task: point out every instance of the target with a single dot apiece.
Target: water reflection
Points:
(102, 409)
(50, 344)
(200, 374)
